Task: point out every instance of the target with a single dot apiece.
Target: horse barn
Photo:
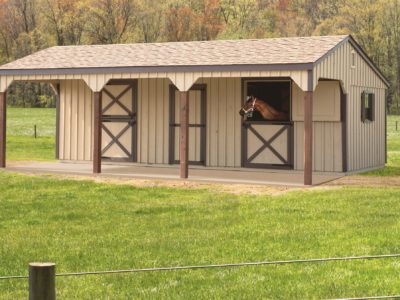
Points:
(308, 105)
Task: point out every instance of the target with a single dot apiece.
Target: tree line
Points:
(27, 26)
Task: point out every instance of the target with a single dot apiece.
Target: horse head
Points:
(249, 106)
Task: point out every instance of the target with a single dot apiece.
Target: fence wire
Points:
(373, 297)
(212, 266)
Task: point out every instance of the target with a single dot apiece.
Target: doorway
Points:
(197, 124)
(119, 121)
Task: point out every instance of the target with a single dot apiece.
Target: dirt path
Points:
(370, 181)
(256, 189)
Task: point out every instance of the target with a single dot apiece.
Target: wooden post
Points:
(3, 123)
(308, 138)
(42, 281)
(184, 135)
(97, 133)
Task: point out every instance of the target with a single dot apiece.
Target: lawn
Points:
(85, 226)
(21, 143)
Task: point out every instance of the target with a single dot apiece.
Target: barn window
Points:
(275, 94)
(367, 106)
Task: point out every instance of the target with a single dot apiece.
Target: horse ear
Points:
(248, 98)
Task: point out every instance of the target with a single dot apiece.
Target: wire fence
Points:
(51, 278)
(393, 126)
(212, 266)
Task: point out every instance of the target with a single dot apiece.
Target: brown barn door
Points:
(119, 121)
(267, 145)
(197, 125)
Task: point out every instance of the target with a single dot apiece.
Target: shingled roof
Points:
(295, 50)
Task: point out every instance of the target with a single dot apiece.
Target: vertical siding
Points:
(153, 120)
(75, 120)
(224, 99)
(365, 141)
(327, 128)
(327, 146)
(223, 121)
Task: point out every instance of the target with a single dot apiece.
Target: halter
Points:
(252, 108)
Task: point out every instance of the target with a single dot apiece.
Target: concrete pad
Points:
(171, 172)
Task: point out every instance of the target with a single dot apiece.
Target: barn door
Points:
(197, 125)
(119, 120)
(267, 144)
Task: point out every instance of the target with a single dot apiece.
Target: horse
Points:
(267, 111)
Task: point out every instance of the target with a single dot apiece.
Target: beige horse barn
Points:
(178, 103)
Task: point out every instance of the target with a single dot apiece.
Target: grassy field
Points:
(84, 226)
(21, 143)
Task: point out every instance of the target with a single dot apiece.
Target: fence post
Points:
(34, 130)
(396, 125)
(42, 281)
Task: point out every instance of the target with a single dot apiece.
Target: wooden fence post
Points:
(42, 281)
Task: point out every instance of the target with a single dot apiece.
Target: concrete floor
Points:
(171, 172)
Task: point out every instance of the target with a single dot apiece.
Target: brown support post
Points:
(97, 133)
(3, 122)
(57, 91)
(308, 139)
(184, 135)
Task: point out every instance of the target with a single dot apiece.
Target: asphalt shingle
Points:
(201, 53)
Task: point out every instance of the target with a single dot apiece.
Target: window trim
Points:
(353, 59)
(367, 113)
(246, 80)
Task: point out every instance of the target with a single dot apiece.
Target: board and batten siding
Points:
(153, 120)
(365, 141)
(76, 118)
(223, 127)
(327, 127)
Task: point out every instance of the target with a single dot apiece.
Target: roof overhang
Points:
(159, 69)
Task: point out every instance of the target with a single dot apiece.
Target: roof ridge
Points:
(204, 41)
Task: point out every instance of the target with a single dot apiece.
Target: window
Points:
(353, 59)
(275, 97)
(367, 106)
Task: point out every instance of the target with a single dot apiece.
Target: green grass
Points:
(84, 226)
(20, 121)
(21, 144)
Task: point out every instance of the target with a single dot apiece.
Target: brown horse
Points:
(267, 111)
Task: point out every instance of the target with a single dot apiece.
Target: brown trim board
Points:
(97, 131)
(343, 119)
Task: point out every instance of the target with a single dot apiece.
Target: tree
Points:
(109, 21)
